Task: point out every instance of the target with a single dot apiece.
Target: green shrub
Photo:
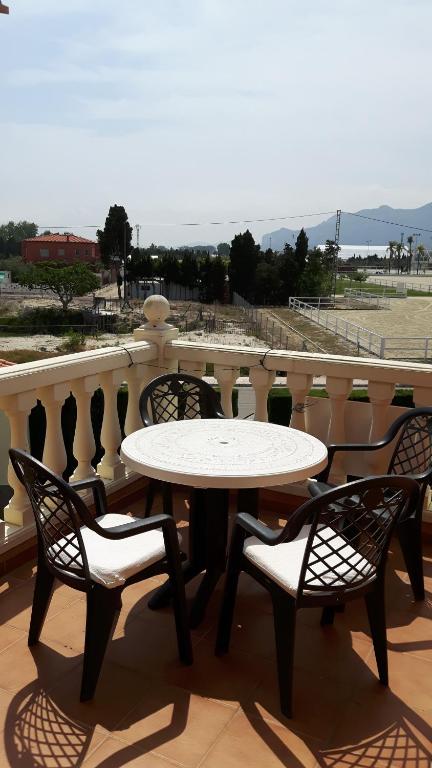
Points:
(74, 342)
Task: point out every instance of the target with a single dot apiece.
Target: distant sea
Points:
(346, 251)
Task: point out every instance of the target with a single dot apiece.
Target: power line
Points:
(192, 223)
(383, 221)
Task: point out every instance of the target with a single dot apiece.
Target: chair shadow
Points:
(40, 734)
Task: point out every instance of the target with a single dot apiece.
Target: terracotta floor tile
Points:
(38, 733)
(380, 730)
(118, 691)
(410, 629)
(147, 642)
(9, 635)
(259, 744)
(116, 754)
(317, 702)
(174, 724)
(5, 699)
(410, 679)
(47, 662)
(229, 680)
(16, 604)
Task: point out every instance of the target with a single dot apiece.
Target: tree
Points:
(223, 249)
(115, 240)
(189, 270)
(242, 266)
(317, 277)
(205, 280)
(218, 275)
(169, 268)
(267, 282)
(391, 251)
(12, 234)
(301, 250)
(421, 251)
(288, 273)
(65, 282)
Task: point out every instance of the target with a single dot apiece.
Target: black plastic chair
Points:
(411, 457)
(98, 555)
(314, 561)
(175, 397)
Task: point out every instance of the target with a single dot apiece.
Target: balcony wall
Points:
(156, 351)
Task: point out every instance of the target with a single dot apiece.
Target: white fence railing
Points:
(366, 298)
(388, 283)
(384, 347)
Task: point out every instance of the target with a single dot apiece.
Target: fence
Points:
(373, 300)
(385, 347)
(394, 284)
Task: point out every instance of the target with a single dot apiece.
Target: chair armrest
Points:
(339, 447)
(135, 527)
(253, 526)
(99, 493)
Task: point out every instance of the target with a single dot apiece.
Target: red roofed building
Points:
(60, 248)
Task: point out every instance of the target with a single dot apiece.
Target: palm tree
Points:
(421, 251)
(399, 248)
(391, 249)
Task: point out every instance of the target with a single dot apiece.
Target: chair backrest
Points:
(178, 396)
(350, 532)
(59, 513)
(412, 454)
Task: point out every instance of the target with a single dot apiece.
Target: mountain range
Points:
(377, 226)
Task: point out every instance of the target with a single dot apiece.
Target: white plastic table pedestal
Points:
(214, 456)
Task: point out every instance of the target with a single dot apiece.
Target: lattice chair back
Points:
(59, 513)
(413, 452)
(350, 533)
(178, 396)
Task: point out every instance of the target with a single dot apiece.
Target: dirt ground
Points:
(405, 317)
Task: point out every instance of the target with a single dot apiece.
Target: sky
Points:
(212, 110)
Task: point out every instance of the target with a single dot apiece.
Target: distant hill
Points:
(357, 231)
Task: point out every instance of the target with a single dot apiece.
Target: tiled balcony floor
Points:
(221, 713)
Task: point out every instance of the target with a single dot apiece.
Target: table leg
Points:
(196, 560)
(248, 501)
(215, 542)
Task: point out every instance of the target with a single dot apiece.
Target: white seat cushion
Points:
(282, 563)
(112, 562)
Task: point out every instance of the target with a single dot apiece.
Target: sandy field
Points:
(405, 317)
(46, 343)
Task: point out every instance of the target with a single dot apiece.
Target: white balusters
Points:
(84, 444)
(111, 466)
(262, 382)
(17, 409)
(226, 377)
(52, 398)
(338, 390)
(380, 396)
(136, 376)
(299, 385)
(192, 367)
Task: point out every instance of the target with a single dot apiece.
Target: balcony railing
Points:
(158, 350)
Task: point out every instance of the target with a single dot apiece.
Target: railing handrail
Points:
(15, 379)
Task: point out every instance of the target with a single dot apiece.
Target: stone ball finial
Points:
(156, 309)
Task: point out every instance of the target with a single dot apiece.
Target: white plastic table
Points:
(218, 455)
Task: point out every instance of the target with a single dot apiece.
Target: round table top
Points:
(223, 453)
